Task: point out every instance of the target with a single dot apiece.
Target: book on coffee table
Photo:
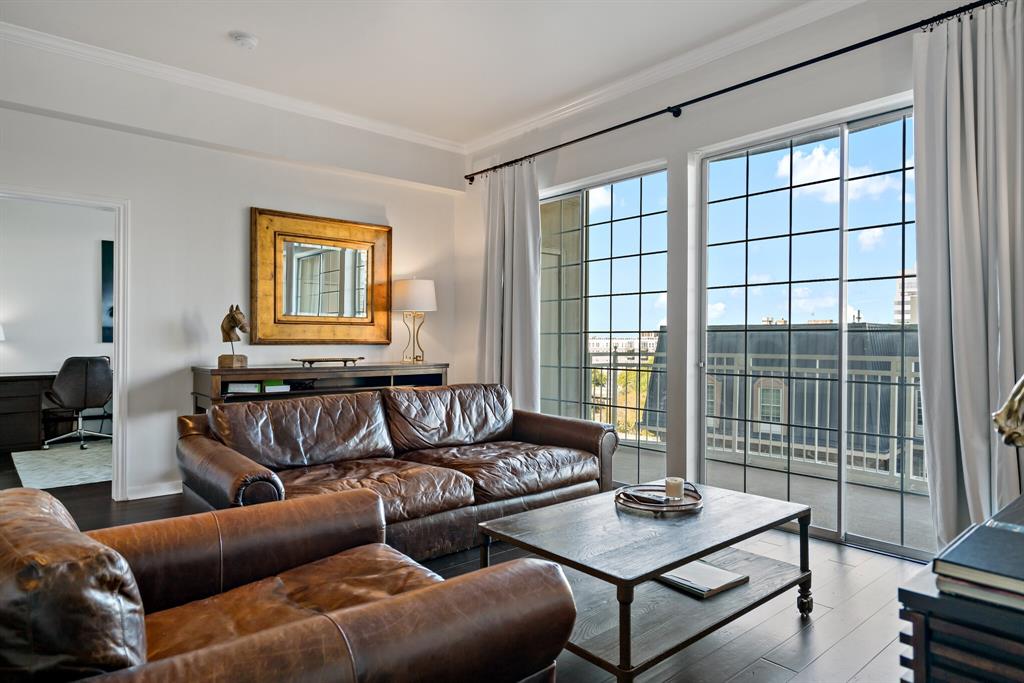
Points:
(702, 580)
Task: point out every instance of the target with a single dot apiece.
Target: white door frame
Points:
(121, 208)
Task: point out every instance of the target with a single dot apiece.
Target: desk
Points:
(212, 386)
(21, 410)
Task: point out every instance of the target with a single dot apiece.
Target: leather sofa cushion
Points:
(353, 577)
(305, 431)
(506, 469)
(456, 415)
(408, 489)
(69, 605)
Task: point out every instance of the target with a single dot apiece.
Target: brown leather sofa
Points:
(442, 458)
(300, 591)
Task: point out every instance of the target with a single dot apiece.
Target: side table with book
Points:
(966, 610)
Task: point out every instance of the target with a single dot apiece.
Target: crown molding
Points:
(19, 35)
(773, 27)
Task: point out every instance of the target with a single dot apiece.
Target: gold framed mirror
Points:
(319, 280)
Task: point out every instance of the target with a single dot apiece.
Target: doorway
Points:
(62, 346)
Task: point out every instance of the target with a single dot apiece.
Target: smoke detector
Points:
(244, 39)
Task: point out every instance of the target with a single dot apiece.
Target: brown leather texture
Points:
(307, 651)
(223, 476)
(502, 623)
(408, 489)
(352, 577)
(464, 629)
(506, 469)
(444, 533)
(69, 606)
(455, 415)
(189, 558)
(586, 435)
(306, 431)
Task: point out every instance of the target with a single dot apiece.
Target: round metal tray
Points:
(691, 501)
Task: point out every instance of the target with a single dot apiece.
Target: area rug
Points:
(64, 465)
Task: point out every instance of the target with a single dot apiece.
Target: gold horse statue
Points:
(229, 328)
(1010, 418)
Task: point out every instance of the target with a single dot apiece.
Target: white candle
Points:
(674, 487)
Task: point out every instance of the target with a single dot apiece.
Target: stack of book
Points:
(986, 561)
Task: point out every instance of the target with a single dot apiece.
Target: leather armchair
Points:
(274, 570)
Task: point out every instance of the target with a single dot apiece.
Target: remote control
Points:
(650, 498)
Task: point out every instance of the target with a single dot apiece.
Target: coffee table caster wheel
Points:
(46, 446)
(84, 447)
(805, 605)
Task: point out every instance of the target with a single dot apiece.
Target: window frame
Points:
(894, 108)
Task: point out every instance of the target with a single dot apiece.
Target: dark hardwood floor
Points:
(851, 636)
(93, 508)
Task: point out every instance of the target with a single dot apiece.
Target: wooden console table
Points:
(211, 386)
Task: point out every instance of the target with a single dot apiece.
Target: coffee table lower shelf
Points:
(665, 620)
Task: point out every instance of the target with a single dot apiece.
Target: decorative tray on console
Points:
(635, 499)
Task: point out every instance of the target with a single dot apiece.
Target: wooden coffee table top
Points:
(593, 536)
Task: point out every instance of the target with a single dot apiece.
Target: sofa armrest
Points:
(586, 435)
(306, 650)
(502, 623)
(224, 477)
(181, 559)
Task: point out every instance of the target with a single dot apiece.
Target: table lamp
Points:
(413, 298)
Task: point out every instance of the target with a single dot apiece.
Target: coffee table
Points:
(626, 623)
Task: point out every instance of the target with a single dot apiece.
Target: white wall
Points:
(50, 305)
(880, 71)
(189, 257)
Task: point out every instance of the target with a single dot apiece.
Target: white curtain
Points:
(510, 334)
(968, 77)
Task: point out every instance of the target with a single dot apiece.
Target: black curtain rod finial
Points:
(677, 111)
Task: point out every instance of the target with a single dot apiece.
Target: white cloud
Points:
(716, 310)
(823, 162)
(870, 238)
(873, 187)
(804, 301)
(600, 197)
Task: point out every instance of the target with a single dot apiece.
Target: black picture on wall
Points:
(107, 290)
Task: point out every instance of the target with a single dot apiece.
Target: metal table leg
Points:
(804, 602)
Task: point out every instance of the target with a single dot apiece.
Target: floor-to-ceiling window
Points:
(604, 273)
(811, 329)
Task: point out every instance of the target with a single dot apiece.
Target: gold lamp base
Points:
(413, 323)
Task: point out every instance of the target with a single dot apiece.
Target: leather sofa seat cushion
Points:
(506, 469)
(305, 431)
(456, 415)
(353, 577)
(408, 489)
(69, 605)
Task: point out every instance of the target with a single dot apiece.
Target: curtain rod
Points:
(676, 110)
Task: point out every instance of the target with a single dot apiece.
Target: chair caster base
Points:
(84, 447)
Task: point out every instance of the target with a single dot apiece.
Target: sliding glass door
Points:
(604, 288)
(810, 329)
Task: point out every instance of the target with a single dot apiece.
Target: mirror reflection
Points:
(325, 281)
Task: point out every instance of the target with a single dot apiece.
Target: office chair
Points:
(83, 382)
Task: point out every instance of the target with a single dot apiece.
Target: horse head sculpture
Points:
(233, 321)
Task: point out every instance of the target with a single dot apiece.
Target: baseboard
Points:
(163, 488)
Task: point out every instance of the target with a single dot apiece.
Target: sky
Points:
(871, 251)
(627, 246)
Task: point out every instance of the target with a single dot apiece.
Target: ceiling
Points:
(455, 70)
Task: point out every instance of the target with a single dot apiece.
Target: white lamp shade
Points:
(413, 295)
